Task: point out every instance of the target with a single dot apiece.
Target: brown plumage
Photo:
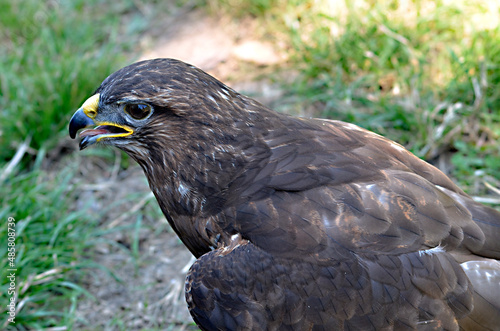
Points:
(298, 224)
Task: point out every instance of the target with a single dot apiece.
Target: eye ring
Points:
(138, 111)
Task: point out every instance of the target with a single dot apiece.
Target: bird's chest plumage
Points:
(192, 207)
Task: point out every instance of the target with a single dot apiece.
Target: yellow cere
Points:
(90, 106)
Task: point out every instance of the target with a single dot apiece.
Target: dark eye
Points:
(138, 111)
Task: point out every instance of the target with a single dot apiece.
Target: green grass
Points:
(53, 55)
(50, 242)
(424, 73)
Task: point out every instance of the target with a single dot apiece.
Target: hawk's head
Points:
(158, 100)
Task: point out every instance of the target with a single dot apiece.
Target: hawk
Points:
(298, 224)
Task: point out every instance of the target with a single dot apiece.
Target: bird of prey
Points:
(298, 223)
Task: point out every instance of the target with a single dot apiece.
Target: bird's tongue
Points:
(94, 132)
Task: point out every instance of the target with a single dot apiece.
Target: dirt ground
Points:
(148, 292)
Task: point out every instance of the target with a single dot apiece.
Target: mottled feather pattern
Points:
(304, 224)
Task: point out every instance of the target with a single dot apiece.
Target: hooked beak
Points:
(84, 118)
(79, 121)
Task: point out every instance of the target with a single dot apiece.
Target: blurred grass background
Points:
(424, 73)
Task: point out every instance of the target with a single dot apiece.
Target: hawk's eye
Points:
(138, 111)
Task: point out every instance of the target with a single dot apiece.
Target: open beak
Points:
(83, 119)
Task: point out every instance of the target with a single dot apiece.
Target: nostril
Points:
(90, 113)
